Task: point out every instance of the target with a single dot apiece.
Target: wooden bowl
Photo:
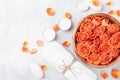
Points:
(74, 39)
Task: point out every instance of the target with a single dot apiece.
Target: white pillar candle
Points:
(49, 34)
(93, 7)
(65, 24)
(83, 6)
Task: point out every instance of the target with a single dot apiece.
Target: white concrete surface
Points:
(25, 20)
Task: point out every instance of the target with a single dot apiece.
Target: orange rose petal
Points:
(44, 67)
(104, 75)
(40, 43)
(25, 49)
(118, 13)
(118, 73)
(96, 2)
(25, 43)
(109, 3)
(50, 11)
(67, 15)
(56, 27)
(115, 73)
(111, 12)
(33, 51)
(66, 43)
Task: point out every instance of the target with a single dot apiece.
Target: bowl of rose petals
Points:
(96, 40)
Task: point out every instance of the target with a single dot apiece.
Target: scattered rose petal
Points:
(96, 2)
(118, 13)
(112, 12)
(33, 51)
(66, 43)
(118, 73)
(55, 27)
(40, 43)
(50, 11)
(44, 67)
(104, 75)
(109, 3)
(25, 43)
(25, 49)
(67, 15)
(115, 73)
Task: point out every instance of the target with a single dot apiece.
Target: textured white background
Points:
(25, 20)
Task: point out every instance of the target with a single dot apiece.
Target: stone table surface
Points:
(26, 20)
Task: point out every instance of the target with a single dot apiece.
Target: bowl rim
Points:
(74, 46)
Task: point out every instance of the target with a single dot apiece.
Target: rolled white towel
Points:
(65, 63)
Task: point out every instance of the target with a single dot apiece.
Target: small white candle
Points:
(83, 6)
(98, 8)
(65, 24)
(49, 34)
(93, 7)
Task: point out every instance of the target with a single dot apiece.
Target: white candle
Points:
(49, 34)
(65, 24)
(83, 6)
(93, 7)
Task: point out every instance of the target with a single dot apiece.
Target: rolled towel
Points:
(65, 63)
